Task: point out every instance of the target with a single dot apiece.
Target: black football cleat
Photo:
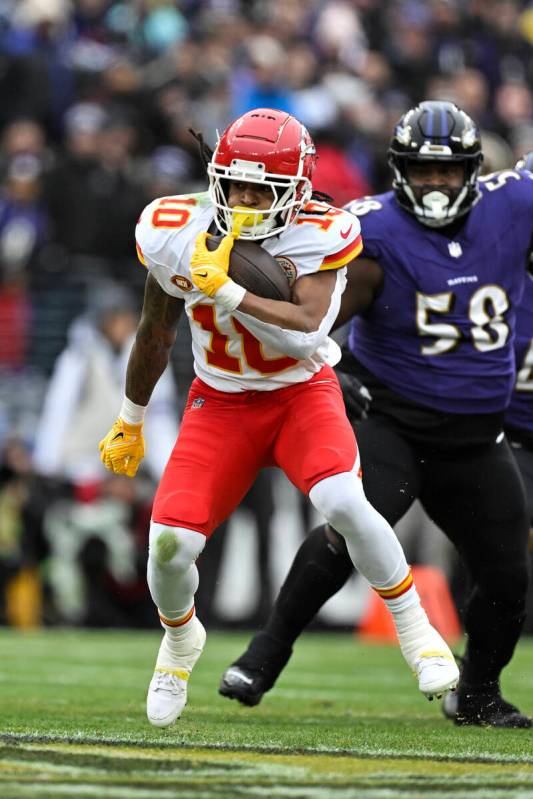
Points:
(449, 705)
(256, 671)
(483, 708)
(244, 685)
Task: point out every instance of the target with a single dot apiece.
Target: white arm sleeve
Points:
(294, 342)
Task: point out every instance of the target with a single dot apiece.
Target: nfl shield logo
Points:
(455, 249)
(197, 403)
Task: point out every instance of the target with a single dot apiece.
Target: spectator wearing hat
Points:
(86, 380)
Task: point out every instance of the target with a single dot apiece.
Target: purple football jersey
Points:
(520, 411)
(441, 332)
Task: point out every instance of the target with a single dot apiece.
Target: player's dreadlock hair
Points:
(322, 197)
(206, 152)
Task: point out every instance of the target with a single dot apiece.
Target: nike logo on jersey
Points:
(201, 274)
(118, 435)
(346, 233)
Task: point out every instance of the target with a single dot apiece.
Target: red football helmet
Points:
(269, 147)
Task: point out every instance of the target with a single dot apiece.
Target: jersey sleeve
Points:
(163, 236)
(522, 193)
(155, 242)
(345, 240)
(322, 238)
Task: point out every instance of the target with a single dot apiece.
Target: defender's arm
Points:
(364, 283)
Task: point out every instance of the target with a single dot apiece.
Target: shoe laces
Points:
(167, 682)
(433, 659)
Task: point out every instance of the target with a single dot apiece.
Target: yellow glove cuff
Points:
(230, 295)
(131, 429)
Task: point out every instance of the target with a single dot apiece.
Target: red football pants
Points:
(226, 438)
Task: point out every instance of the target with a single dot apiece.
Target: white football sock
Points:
(372, 545)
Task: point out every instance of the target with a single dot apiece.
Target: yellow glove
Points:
(209, 268)
(123, 448)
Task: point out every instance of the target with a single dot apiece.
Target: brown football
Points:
(255, 269)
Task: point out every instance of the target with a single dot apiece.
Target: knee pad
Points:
(340, 499)
(175, 548)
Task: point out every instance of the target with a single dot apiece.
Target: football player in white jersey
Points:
(265, 392)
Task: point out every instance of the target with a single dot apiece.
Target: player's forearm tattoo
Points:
(154, 340)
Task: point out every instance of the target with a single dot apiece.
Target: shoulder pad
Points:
(161, 232)
(335, 233)
(513, 186)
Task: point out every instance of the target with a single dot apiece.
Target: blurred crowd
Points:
(97, 99)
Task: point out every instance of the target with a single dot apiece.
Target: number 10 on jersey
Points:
(217, 354)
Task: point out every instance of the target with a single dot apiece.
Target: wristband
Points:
(230, 295)
(132, 413)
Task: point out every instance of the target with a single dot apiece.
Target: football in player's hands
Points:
(255, 269)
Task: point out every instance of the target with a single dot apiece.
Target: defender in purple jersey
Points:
(433, 303)
(519, 418)
(519, 414)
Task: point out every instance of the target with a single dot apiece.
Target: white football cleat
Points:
(437, 673)
(427, 653)
(167, 692)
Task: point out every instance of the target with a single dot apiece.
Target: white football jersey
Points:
(227, 355)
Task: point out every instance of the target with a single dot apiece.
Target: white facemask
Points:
(435, 209)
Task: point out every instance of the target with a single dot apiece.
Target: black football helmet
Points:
(526, 162)
(436, 130)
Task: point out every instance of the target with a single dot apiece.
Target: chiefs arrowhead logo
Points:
(181, 282)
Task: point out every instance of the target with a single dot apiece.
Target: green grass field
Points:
(345, 721)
